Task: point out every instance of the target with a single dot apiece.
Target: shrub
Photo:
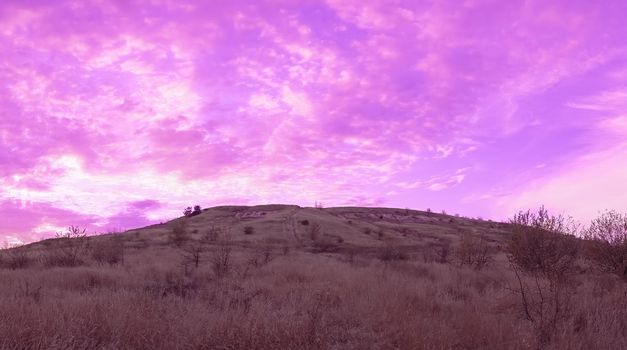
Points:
(314, 231)
(213, 234)
(542, 252)
(262, 257)
(249, 230)
(391, 253)
(607, 246)
(380, 233)
(304, 222)
(109, 252)
(192, 254)
(68, 249)
(15, 258)
(543, 244)
(472, 251)
(442, 252)
(221, 259)
(179, 234)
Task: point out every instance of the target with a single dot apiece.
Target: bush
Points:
(543, 244)
(442, 252)
(192, 255)
(213, 234)
(390, 253)
(473, 251)
(221, 259)
(179, 234)
(109, 252)
(69, 248)
(14, 258)
(607, 246)
(304, 222)
(314, 231)
(542, 252)
(249, 230)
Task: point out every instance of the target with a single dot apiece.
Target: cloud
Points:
(336, 101)
(597, 178)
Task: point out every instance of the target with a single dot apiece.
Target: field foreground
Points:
(285, 277)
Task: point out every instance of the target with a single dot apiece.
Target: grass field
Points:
(296, 278)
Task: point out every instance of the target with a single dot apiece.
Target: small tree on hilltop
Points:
(188, 211)
(197, 210)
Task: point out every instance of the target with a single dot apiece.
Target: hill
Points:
(288, 277)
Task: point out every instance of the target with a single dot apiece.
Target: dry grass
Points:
(275, 293)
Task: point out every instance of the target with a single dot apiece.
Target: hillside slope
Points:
(354, 230)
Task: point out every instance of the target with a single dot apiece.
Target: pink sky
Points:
(118, 114)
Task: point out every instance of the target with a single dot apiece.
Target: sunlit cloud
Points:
(476, 107)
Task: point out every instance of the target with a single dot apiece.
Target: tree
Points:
(188, 211)
(542, 252)
(607, 248)
(197, 210)
(70, 248)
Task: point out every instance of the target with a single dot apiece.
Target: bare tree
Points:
(221, 257)
(70, 248)
(193, 254)
(542, 252)
(607, 248)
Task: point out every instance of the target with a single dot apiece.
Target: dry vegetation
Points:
(323, 278)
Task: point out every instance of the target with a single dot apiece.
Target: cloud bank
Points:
(116, 114)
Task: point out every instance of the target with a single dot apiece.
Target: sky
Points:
(119, 114)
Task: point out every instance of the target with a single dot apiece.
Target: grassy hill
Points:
(287, 277)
